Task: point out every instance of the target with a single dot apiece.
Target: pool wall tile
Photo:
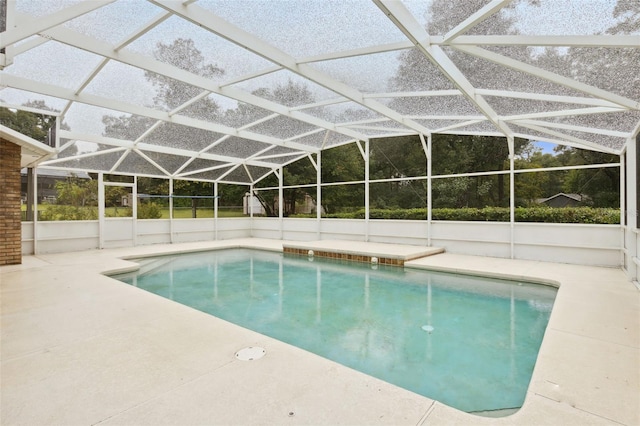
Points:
(352, 257)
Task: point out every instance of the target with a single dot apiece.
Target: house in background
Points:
(47, 179)
(563, 200)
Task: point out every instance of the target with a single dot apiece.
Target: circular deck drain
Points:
(250, 354)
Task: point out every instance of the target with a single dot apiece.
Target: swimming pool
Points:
(468, 342)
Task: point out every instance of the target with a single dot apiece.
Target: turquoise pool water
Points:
(468, 342)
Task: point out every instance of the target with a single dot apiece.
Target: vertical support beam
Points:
(215, 210)
(366, 190)
(319, 193)
(281, 199)
(171, 210)
(35, 209)
(429, 182)
(623, 210)
(250, 208)
(134, 209)
(101, 210)
(7, 23)
(250, 201)
(512, 197)
(30, 194)
(57, 134)
(632, 232)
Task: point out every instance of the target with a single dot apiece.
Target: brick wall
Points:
(10, 226)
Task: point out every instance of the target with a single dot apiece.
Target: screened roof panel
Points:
(348, 112)
(562, 137)
(201, 163)
(209, 85)
(623, 121)
(43, 8)
(240, 114)
(417, 73)
(100, 162)
(170, 163)
(238, 147)
(550, 17)
(282, 127)
(481, 127)
(445, 16)
(123, 82)
(94, 120)
(37, 64)
(180, 136)
(15, 97)
(612, 69)
(213, 56)
(273, 86)
(256, 172)
(508, 106)
(280, 150)
(433, 105)
(282, 160)
(437, 125)
(210, 175)
(351, 70)
(281, 22)
(113, 22)
(238, 175)
(73, 148)
(134, 163)
(323, 139)
(485, 74)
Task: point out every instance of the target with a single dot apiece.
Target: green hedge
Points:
(62, 212)
(494, 214)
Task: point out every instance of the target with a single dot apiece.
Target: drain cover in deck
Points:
(250, 354)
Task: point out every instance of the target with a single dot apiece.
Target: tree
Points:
(77, 192)
(32, 124)
(601, 186)
(342, 164)
(171, 94)
(193, 188)
(535, 185)
(397, 157)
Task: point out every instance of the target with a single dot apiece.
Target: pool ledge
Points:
(388, 254)
(93, 350)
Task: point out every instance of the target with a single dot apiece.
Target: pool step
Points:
(356, 251)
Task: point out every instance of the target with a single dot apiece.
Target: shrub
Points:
(494, 214)
(63, 212)
(149, 211)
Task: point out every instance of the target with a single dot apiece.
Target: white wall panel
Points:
(567, 235)
(412, 232)
(495, 232)
(474, 248)
(153, 231)
(342, 229)
(64, 236)
(565, 243)
(299, 229)
(27, 238)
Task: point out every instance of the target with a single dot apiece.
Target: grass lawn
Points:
(178, 213)
(185, 213)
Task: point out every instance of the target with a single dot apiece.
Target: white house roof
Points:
(32, 151)
(268, 82)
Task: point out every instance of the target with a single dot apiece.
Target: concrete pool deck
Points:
(79, 348)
